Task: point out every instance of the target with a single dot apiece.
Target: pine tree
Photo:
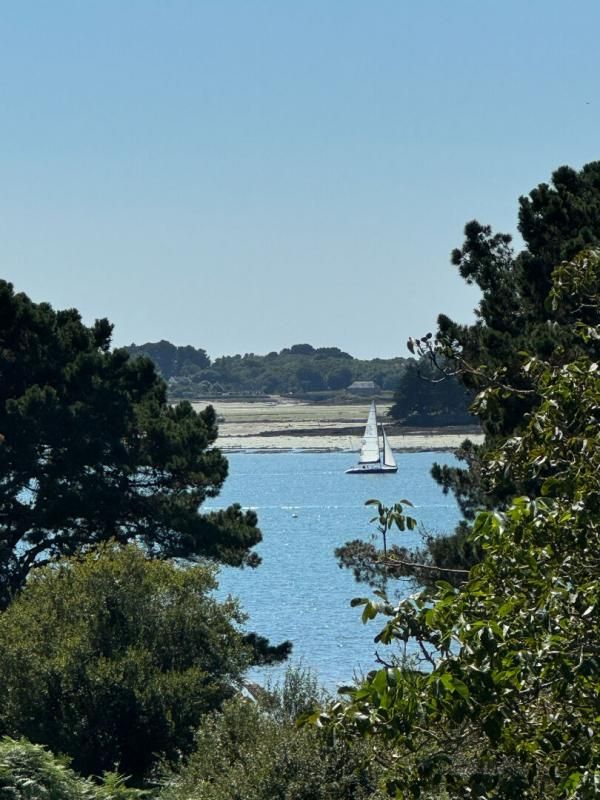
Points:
(90, 450)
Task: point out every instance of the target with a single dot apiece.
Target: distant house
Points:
(363, 387)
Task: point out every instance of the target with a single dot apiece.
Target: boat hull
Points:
(370, 469)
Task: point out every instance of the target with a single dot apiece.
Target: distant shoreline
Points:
(280, 426)
(327, 444)
(228, 449)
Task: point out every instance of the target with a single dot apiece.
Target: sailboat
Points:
(374, 458)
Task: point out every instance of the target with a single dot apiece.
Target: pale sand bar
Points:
(281, 424)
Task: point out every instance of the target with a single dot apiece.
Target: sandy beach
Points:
(280, 424)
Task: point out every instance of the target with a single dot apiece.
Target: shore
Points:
(282, 424)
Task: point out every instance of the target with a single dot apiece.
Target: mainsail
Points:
(369, 451)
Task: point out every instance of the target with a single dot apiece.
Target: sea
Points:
(307, 506)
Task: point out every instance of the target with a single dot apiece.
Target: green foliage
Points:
(421, 399)
(425, 397)
(368, 563)
(91, 450)
(30, 772)
(113, 658)
(519, 314)
(302, 349)
(447, 557)
(171, 360)
(557, 221)
(509, 702)
(299, 368)
(254, 751)
(339, 378)
(514, 314)
(389, 516)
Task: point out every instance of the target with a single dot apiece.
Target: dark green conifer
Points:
(516, 316)
(90, 450)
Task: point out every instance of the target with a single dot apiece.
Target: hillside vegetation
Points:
(296, 369)
(318, 373)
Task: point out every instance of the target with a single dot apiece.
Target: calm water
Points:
(306, 507)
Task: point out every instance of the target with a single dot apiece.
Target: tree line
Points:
(297, 369)
(420, 399)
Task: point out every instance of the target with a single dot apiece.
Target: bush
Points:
(254, 751)
(113, 658)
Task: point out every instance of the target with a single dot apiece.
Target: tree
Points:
(113, 658)
(163, 354)
(91, 450)
(309, 378)
(339, 378)
(320, 368)
(302, 349)
(424, 398)
(509, 702)
(188, 355)
(170, 360)
(515, 315)
(333, 352)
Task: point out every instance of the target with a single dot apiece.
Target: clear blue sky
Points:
(242, 176)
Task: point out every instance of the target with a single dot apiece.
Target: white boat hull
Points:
(361, 469)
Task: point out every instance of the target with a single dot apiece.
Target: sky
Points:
(244, 175)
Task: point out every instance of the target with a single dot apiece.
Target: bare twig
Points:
(390, 562)
(383, 662)
(426, 654)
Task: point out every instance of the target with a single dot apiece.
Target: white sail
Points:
(369, 451)
(388, 455)
(371, 460)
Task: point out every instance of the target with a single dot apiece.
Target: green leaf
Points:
(379, 682)
(369, 612)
